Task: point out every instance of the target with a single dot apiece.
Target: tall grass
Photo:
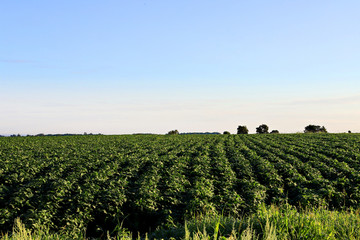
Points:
(19, 232)
(266, 224)
(271, 222)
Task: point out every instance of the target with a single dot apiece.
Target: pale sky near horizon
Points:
(121, 67)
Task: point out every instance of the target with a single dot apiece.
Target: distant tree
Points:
(200, 133)
(173, 132)
(274, 131)
(349, 131)
(242, 130)
(315, 129)
(323, 129)
(226, 133)
(263, 128)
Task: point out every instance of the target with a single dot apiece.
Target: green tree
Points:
(263, 128)
(226, 133)
(315, 129)
(173, 132)
(242, 130)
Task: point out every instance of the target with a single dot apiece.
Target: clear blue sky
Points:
(117, 67)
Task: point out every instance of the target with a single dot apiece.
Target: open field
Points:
(141, 182)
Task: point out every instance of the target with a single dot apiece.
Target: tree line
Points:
(263, 128)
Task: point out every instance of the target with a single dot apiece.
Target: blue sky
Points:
(118, 67)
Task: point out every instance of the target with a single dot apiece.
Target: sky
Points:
(151, 66)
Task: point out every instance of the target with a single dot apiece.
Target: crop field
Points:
(142, 182)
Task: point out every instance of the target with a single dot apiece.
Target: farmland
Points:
(74, 183)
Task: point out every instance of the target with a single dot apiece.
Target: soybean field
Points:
(141, 182)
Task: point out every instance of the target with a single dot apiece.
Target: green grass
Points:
(267, 223)
(19, 232)
(272, 223)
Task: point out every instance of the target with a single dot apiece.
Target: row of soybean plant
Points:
(330, 181)
(301, 181)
